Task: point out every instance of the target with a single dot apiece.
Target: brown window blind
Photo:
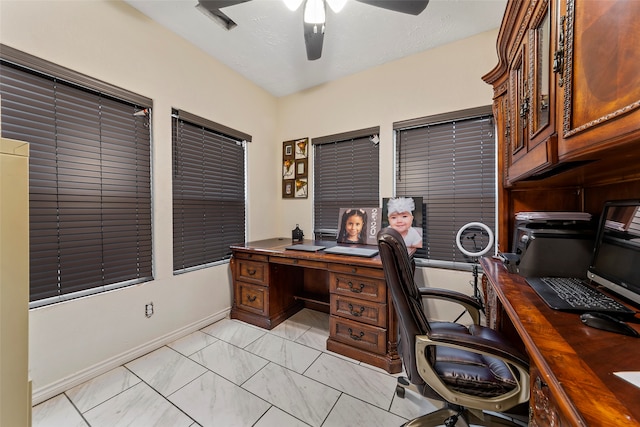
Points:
(209, 209)
(345, 175)
(449, 161)
(89, 183)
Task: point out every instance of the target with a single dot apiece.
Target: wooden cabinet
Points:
(568, 82)
(358, 309)
(253, 299)
(566, 94)
(600, 92)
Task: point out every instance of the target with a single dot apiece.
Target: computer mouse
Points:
(608, 323)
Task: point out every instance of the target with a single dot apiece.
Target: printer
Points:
(557, 244)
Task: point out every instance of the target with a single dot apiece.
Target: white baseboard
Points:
(47, 392)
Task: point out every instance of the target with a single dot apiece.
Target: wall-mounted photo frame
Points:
(302, 187)
(288, 186)
(301, 168)
(295, 165)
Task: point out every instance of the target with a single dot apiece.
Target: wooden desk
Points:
(271, 283)
(572, 365)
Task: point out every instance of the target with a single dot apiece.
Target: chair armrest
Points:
(469, 303)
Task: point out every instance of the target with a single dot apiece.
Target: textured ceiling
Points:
(267, 47)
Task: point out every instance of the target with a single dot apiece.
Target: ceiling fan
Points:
(314, 15)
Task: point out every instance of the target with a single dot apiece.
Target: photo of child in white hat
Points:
(399, 212)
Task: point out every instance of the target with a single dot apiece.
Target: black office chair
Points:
(472, 369)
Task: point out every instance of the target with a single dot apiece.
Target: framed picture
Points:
(301, 148)
(295, 165)
(405, 215)
(301, 190)
(301, 168)
(288, 149)
(287, 188)
(359, 225)
(288, 169)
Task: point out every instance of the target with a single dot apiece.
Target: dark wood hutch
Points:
(566, 98)
(567, 106)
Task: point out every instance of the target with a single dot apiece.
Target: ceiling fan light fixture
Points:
(314, 12)
(336, 5)
(292, 5)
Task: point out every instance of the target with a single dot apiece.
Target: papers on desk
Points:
(553, 216)
(632, 376)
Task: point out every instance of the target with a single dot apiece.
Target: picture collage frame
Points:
(295, 169)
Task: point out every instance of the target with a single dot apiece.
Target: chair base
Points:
(453, 417)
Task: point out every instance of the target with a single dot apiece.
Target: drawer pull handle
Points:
(357, 291)
(251, 272)
(355, 313)
(355, 337)
(251, 298)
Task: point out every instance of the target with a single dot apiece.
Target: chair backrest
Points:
(412, 321)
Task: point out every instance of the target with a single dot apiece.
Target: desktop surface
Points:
(575, 363)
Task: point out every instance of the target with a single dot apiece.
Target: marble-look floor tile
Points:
(192, 343)
(284, 352)
(352, 412)
(302, 397)
(290, 330)
(214, 401)
(231, 362)
(314, 338)
(140, 405)
(413, 405)
(311, 318)
(234, 332)
(356, 380)
(166, 370)
(56, 412)
(278, 418)
(93, 392)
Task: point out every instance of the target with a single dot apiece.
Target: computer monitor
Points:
(616, 256)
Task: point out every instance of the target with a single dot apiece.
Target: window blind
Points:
(450, 163)
(208, 192)
(345, 175)
(89, 184)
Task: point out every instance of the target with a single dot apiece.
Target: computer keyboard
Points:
(570, 294)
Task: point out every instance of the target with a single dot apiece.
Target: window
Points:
(208, 191)
(89, 177)
(345, 175)
(449, 161)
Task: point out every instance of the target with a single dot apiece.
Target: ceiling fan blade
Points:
(412, 7)
(219, 4)
(212, 8)
(313, 38)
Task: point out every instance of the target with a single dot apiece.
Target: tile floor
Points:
(234, 374)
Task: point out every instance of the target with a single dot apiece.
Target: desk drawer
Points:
(252, 298)
(250, 256)
(356, 270)
(359, 310)
(359, 287)
(252, 271)
(358, 335)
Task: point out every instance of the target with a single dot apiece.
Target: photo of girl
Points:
(353, 226)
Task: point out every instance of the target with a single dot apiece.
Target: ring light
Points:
(483, 250)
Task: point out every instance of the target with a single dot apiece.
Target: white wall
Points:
(113, 42)
(73, 341)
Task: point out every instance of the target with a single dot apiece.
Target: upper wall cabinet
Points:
(567, 85)
(599, 85)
